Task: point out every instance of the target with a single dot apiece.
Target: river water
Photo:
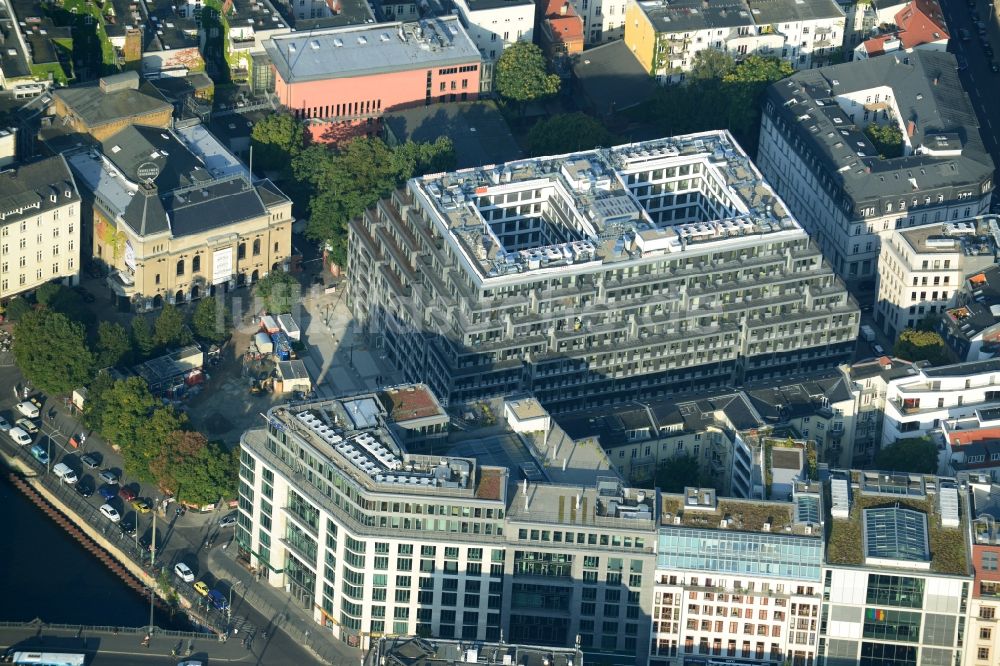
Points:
(45, 573)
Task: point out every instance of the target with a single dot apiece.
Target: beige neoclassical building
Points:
(175, 216)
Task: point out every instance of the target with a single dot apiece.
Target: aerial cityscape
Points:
(535, 333)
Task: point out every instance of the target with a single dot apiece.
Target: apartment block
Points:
(350, 76)
(922, 269)
(598, 277)
(665, 36)
(814, 150)
(972, 328)
(738, 580)
(918, 24)
(932, 399)
(603, 20)
(175, 216)
(871, 380)
(897, 572)
(39, 225)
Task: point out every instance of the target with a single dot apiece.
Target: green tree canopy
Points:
(914, 345)
(142, 336)
(567, 132)
(113, 344)
(278, 292)
(355, 176)
(913, 454)
(169, 329)
(45, 294)
(17, 308)
(711, 64)
(673, 475)
(206, 476)
(277, 140)
(522, 74)
(51, 351)
(211, 320)
(888, 139)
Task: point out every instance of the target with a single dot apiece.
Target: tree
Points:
(353, 177)
(207, 476)
(913, 454)
(914, 345)
(211, 320)
(567, 132)
(521, 74)
(278, 291)
(142, 337)
(52, 351)
(45, 294)
(179, 447)
(169, 328)
(678, 473)
(113, 344)
(277, 140)
(17, 308)
(888, 139)
(711, 64)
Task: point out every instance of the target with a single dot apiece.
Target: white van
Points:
(28, 409)
(19, 436)
(65, 472)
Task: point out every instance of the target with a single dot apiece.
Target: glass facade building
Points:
(730, 552)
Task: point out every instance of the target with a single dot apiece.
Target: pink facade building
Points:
(341, 81)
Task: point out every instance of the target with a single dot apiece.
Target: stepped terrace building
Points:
(663, 266)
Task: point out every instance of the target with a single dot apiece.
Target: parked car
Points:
(201, 588)
(141, 506)
(27, 425)
(127, 494)
(29, 409)
(109, 477)
(878, 349)
(4, 424)
(218, 600)
(41, 455)
(65, 472)
(228, 521)
(19, 436)
(111, 513)
(91, 460)
(128, 527)
(84, 487)
(108, 492)
(184, 572)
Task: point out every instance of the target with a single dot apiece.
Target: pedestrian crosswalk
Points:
(242, 626)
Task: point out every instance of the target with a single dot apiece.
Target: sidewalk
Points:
(280, 608)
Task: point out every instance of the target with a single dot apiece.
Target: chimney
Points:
(911, 127)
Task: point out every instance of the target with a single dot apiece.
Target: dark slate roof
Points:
(270, 193)
(136, 145)
(478, 130)
(213, 206)
(30, 188)
(780, 402)
(768, 12)
(962, 369)
(352, 12)
(896, 368)
(927, 91)
(96, 107)
(611, 78)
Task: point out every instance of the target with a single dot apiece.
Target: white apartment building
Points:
(870, 381)
(665, 37)
(738, 580)
(813, 148)
(494, 25)
(39, 226)
(930, 398)
(922, 269)
(603, 20)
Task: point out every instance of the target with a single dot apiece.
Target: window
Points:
(241, 251)
(989, 561)
(180, 267)
(986, 633)
(196, 263)
(983, 653)
(256, 247)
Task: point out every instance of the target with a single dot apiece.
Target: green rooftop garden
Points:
(845, 544)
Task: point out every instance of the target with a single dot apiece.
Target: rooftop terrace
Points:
(976, 237)
(699, 507)
(607, 504)
(634, 202)
(938, 511)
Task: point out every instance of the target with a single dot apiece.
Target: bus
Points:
(46, 659)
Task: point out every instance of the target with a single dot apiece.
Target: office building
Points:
(39, 225)
(665, 37)
(415, 651)
(738, 580)
(598, 277)
(921, 269)
(983, 634)
(174, 215)
(341, 81)
(814, 150)
(897, 570)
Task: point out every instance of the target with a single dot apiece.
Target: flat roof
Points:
(607, 504)
(700, 507)
(972, 237)
(13, 59)
(96, 107)
(410, 403)
(600, 219)
(611, 77)
(371, 49)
